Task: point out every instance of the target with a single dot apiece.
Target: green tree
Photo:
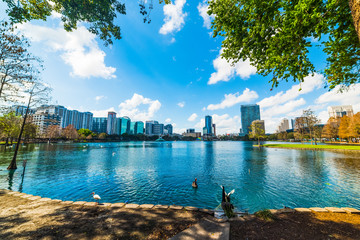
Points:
(99, 15)
(257, 131)
(275, 35)
(85, 132)
(9, 127)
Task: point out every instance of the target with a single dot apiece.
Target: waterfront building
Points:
(190, 130)
(21, 110)
(139, 127)
(43, 120)
(284, 125)
(168, 129)
(158, 129)
(340, 111)
(208, 129)
(192, 134)
(249, 113)
(214, 129)
(110, 128)
(99, 124)
(67, 117)
(149, 127)
(132, 128)
(125, 125)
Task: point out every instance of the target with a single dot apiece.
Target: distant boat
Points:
(160, 139)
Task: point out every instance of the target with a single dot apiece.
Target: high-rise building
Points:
(249, 113)
(284, 125)
(214, 129)
(139, 128)
(168, 129)
(208, 129)
(190, 130)
(158, 129)
(340, 111)
(21, 110)
(132, 128)
(110, 129)
(149, 127)
(43, 120)
(67, 117)
(99, 124)
(125, 125)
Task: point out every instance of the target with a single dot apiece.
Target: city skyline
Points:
(170, 72)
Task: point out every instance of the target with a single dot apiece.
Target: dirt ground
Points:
(299, 226)
(24, 219)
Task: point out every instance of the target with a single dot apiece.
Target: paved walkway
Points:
(205, 230)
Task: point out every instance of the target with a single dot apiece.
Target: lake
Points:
(162, 173)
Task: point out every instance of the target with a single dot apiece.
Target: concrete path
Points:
(205, 230)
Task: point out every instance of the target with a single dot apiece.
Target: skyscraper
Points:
(208, 129)
(99, 124)
(110, 129)
(249, 113)
(169, 129)
(149, 127)
(139, 128)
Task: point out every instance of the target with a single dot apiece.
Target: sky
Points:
(171, 71)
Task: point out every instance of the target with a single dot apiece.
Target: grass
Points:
(316, 147)
(265, 215)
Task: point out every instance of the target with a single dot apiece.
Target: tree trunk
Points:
(355, 12)
(13, 161)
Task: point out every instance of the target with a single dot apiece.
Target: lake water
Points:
(162, 173)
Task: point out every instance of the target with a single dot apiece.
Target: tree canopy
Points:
(100, 14)
(276, 36)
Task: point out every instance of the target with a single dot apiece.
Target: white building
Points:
(340, 111)
(284, 125)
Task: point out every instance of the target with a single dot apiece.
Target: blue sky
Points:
(170, 71)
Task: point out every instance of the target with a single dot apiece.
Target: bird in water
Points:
(225, 203)
(96, 197)
(194, 183)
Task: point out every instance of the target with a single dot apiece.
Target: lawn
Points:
(316, 147)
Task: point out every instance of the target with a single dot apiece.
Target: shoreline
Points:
(24, 216)
(334, 148)
(172, 207)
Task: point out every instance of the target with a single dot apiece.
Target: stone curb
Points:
(30, 197)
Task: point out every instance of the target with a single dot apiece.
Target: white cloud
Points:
(224, 124)
(78, 49)
(283, 109)
(310, 84)
(192, 117)
(203, 8)
(168, 120)
(225, 72)
(134, 108)
(232, 99)
(101, 113)
(181, 104)
(174, 17)
(172, 40)
(98, 98)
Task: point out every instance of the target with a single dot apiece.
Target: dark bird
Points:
(225, 203)
(194, 184)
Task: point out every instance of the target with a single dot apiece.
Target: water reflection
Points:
(162, 173)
